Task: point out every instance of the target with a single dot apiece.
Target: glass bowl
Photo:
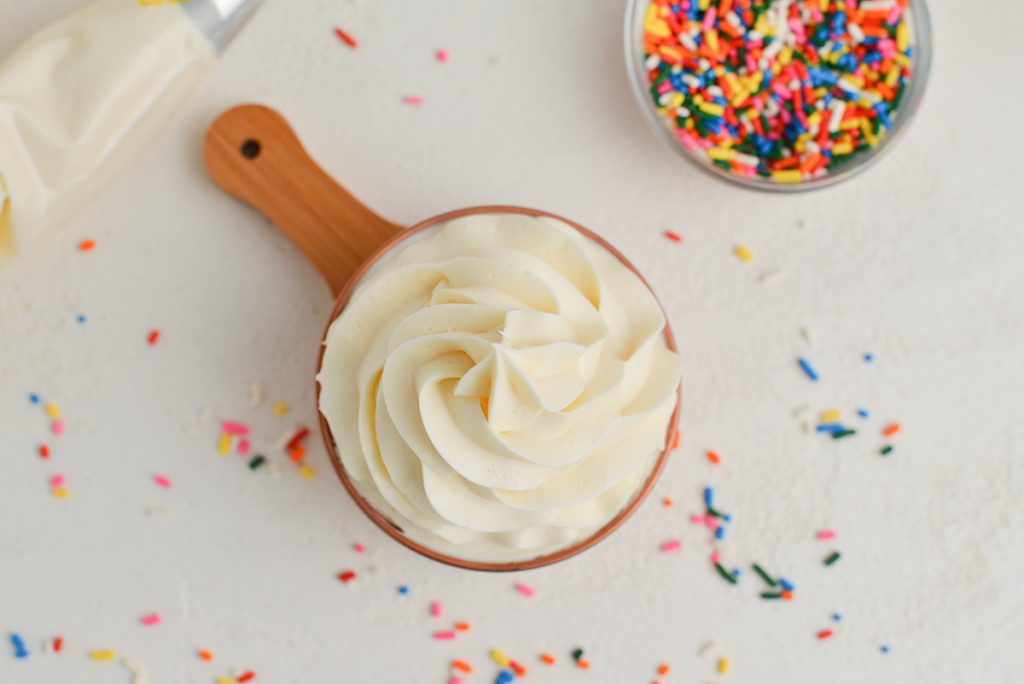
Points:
(666, 129)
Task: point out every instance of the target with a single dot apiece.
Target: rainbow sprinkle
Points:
(785, 92)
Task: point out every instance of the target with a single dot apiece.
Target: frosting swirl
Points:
(499, 386)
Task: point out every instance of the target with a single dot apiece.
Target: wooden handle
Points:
(253, 154)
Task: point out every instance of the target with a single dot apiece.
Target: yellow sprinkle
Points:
(52, 411)
(830, 416)
(712, 109)
(902, 37)
(307, 472)
(711, 38)
(744, 253)
(785, 56)
(823, 5)
(704, 4)
(740, 97)
(103, 655)
(719, 154)
(225, 680)
(902, 60)
(842, 148)
(892, 77)
(788, 176)
(851, 124)
(280, 408)
(60, 492)
(655, 25)
(723, 665)
(499, 657)
(677, 100)
(814, 121)
(224, 445)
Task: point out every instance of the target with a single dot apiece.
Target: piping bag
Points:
(80, 97)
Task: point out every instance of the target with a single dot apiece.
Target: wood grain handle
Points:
(253, 154)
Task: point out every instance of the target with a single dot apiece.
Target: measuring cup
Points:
(252, 153)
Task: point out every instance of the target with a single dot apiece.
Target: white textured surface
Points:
(917, 261)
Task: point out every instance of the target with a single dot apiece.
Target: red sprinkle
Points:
(713, 457)
(673, 236)
(825, 634)
(154, 337)
(298, 454)
(44, 451)
(517, 668)
(58, 643)
(348, 39)
(413, 99)
(891, 430)
(246, 677)
(297, 439)
(347, 576)
(86, 245)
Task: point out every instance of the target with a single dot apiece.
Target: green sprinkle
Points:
(256, 462)
(843, 433)
(577, 653)
(712, 511)
(832, 558)
(765, 576)
(886, 450)
(771, 595)
(725, 573)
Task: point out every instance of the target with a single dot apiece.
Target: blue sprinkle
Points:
(727, 517)
(806, 367)
(863, 413)
(736, 572)
(830, 427)
(19, 646)
(709, 497)
(837, 617)
(80, 318)
(504, 677)
(786, 584)
(885, 648)
(869, 357)
(720, 532)
(403, 590)
(34, 398)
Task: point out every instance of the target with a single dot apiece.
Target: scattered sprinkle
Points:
(206, 656)
(832, 558)
(764, 575)
(525, 590)
(80, 319)
(891, 429)
(885, 648)
(347, 576)
(246, 677)
(832, 416)
(296, 440)
(869, 358)
(771, 595)
(280, 408)
(53, 411)
(403, 590)
(826, 534)
(153, 338)
(825, 634)
(104, 655)
(444, 636)
(44, 451)
(162, 481)
(298, 453)
(673, 236)
(517, 668)
(547, 659)
(723, 665)
(787, 596)
(886, 450)
(499, 657)
(224, 444)
(242, 449)
(58, 644)
(664, 669)
(345, 37)
(807, 369)
(57, 481)
(504, 677)
(18, 643)
(672, 545)
(462, 666)
(462, 626)
(86, 245)
(307, 471)
(442, 56)
(744, 254)
(577, 653)
(436, 609)
(863, 413)
(454, 680)
(232, 427)
(359, 548)
(57, 427)
(837, 617)
(786, 584)
(256, 462)
(667, 502)
(34, 398)
(413, 99)
(726, 575)
(846, 432)
(713, 457)
(152, 620)
(583, 664)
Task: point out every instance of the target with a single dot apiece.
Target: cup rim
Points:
(391, 528)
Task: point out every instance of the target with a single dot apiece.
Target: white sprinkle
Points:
(771, 276)
(652, 62)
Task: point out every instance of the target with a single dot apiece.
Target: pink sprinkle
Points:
(715, 558)
(697, 519)
(435, 609)
(413, 99)
(827, 534)
(454, 680)
(444, 636)
(673, 545)
(57, 481)
(152, 620)
(234, 428)
(525, 590)
(442, 56)
(358, 548)
(243, 447)
(162, 481)
(58, 427)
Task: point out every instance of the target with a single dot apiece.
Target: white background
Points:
(918, 261)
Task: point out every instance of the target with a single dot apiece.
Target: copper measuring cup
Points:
(252, 153)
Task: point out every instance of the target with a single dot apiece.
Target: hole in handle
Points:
(251, 149)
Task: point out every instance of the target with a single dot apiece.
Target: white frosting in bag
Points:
(499, 386)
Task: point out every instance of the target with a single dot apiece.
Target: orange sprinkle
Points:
(583, 664)
(298, 454)
(86, 245)
(517, 668)
(891, 430)
(663, 669)
(713, 457)
(346, 38)
(462, 626)
(787, 595)
(205, 655)
(667, 502)
(673, 236)
(462, 666)
(44, 451)
(547, 658)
